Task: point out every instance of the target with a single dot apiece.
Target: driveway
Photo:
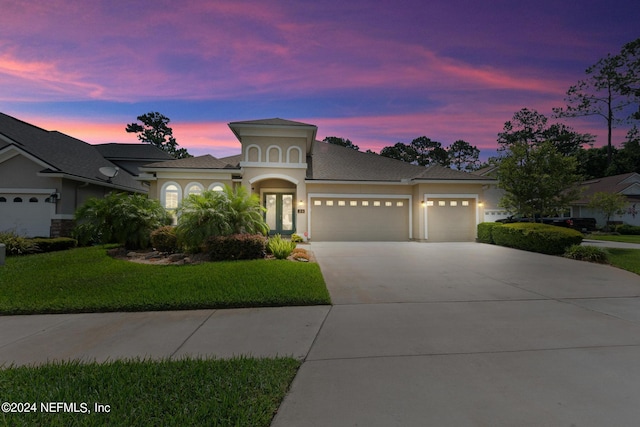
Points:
(466, 334)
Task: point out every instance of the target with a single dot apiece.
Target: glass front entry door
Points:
(280, 215)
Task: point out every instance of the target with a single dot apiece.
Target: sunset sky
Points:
(376, 72)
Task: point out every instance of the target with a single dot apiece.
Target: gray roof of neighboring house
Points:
(616, 184)
(201, 162)
(133, 152)
(63, 154)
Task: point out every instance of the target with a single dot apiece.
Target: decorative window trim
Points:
(289, 150)
(272, 147)
(248, 149)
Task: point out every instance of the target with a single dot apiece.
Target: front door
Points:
(280, 215)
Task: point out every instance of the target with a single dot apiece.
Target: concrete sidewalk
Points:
(451, 334)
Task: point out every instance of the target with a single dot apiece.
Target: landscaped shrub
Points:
(485, 231)
(296, 238)
(17, 245)
(628, 229)
(587, 253)
(56, 244)
(122, 218)
(219, 213)
(236, 247)
(546, 239)
(279, 247)
(164, 239)
(300, 254)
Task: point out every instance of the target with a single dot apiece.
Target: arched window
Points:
(3, 200)
(33, 200)
(216, 186)
(194, 188)
(171, 195)
(17, 200)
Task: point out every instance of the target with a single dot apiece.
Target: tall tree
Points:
(531, 127)
(463, 155)
(154, 130)
(343, 142)
(399, 151)
(428, 152)
(537, 179)
(609, 89)
(608, 204)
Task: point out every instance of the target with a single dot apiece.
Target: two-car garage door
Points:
(342, 218)
(360, 219)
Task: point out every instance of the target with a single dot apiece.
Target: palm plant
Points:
(219, 213)
(127, 219)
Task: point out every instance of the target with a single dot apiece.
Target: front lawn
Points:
(625, 238)
(627, 259)
(88, 280)
(189, 392)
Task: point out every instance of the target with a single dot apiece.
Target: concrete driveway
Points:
(466, 334)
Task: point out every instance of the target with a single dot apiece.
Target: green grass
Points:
(189, 392)
(630, 238)
(627, 259)
(88, 280)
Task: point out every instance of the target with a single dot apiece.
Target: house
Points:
(327, 192)
(46, 175)
(627, 184)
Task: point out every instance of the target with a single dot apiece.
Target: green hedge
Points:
(164, 239)
(55, 244)
(546, 239)
(628, 229)
(235, 247)
(485, 231)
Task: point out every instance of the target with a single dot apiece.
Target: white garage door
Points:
(359, 219)
(451, 219)
(26, 214)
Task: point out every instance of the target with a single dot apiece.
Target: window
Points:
(387, 204)
(453, 203)
(342, 203)
(399, 204)
(194, 188)
(429, 202)
(17, 200)
(317, 203)
(442, 203)
(376, 203)
(465, 203)
(329, 202)
(365, 203)
(216, 186)
(33, 200)
(353, 203)
(171, 196)
(3, 200)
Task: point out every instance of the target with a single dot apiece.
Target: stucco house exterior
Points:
(326, 192)
(46, 175)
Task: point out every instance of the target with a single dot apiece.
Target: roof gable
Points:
(63, 154)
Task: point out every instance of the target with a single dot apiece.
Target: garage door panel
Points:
(376, 219)
(451, 220)
(26, 214)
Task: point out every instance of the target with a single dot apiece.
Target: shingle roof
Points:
(271, 122)
(201, 162)
(64, 154)
(132, 152)
(333, 162)
(616, 184)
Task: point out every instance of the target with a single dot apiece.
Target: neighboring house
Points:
(492, 195)
(46, 175)
(627, 184)
(326, 192)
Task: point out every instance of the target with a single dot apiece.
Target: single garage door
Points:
(26, 214)
(359, 219)
(451, 219)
